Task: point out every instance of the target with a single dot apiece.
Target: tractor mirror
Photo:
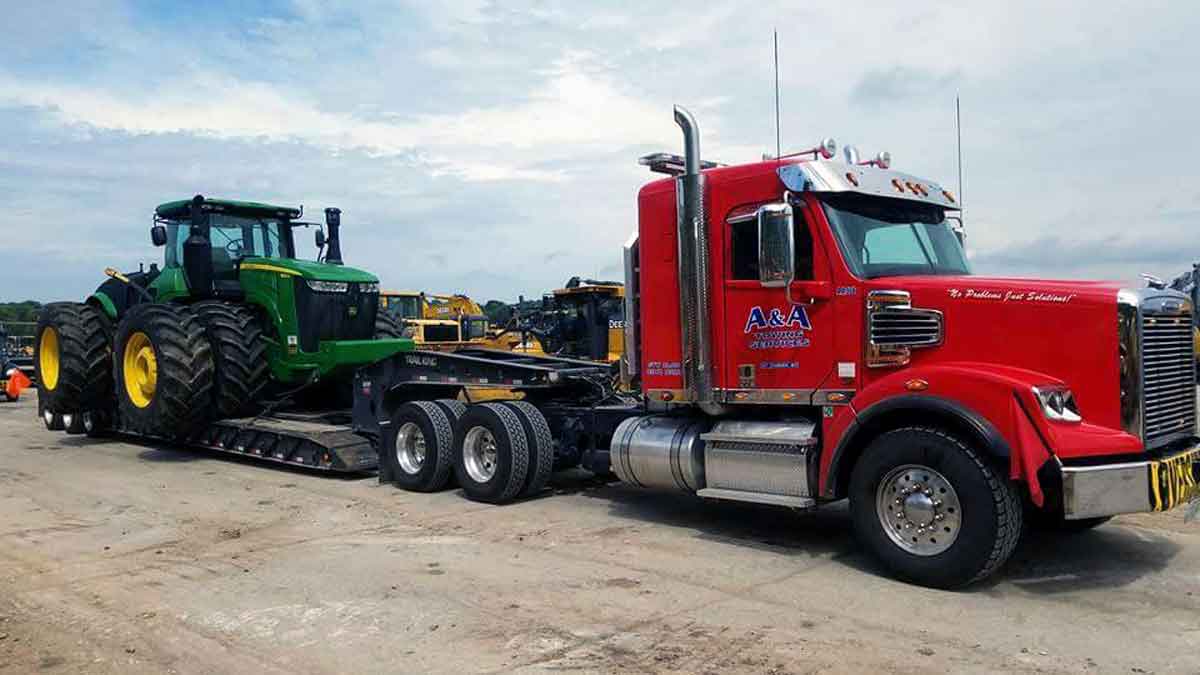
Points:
(158, 235)
(776, 247)
(320, 238)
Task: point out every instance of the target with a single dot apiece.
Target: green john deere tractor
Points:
(231, 318)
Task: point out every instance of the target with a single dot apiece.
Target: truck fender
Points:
(989, 405)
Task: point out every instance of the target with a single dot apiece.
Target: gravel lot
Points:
(127, 558)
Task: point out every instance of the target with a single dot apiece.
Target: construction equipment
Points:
(231, 325)
(583, 319)
(1189, 283)
(451, 322)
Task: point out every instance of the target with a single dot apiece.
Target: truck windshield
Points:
(881, 237)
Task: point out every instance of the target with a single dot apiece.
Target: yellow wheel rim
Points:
(48, 359)
(140, 368)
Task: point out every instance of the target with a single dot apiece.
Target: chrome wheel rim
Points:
(410, 448)
(918, 509)
(479, 454)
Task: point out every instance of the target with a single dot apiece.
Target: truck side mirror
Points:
(320, 238)
(776, 245)
(158, 235)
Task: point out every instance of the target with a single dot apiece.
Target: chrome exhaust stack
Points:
(693, 260)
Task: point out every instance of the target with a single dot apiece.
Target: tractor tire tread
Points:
(85, 347)
(239, 357)
(541, 451)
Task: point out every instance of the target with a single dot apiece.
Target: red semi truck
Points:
(803, 330)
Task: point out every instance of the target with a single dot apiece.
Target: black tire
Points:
(82, 377)
(991, 517)
(180, 403)
(96, 423)
(454, 409)
(427, 474)
(387, 327)
(239, 357)
(73, 423)
(52, 420)
(541, 446)
(504, 478)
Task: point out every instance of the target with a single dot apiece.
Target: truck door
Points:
(778, 336)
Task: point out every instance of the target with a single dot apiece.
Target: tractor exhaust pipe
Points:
(197, 252)
(333, 241)
(694, 301)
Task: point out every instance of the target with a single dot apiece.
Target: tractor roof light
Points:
(826, 149)
(883, 160)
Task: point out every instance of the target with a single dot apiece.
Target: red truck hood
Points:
(1066, 330)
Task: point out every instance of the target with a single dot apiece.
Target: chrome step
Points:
(758, 498)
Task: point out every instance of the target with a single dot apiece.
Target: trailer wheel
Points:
(454, 409)
(541, 445)
(164, 370)
(52, 420)
(73, 423)
(418, 447)
(932, 510)
(491, 460)
(95, 423)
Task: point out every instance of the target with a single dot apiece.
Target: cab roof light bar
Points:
(670, 164)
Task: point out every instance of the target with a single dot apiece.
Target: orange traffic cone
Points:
(16, 382)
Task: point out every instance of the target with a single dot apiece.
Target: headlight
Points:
(1058, 403)
(328, 286)
(369, 287)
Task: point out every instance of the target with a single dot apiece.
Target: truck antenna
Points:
(778, 143)
(958, 131)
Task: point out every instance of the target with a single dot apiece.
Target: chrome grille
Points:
(909, 327)
(1168, 378)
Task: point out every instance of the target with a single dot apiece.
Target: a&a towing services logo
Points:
(772, 329)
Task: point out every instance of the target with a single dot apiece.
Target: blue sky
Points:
(490, 148)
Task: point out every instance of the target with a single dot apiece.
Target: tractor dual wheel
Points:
(418, 446)
(239, 357)
(932, 509)
(164, 370)
(491, 458)
(72, 357)
(387, 327)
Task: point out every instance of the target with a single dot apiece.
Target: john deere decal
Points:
(772, 329)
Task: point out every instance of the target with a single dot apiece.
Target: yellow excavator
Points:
(584, 319)
(451, 322)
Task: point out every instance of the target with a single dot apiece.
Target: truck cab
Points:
(811, 329)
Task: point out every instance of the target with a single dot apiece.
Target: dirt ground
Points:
(127, 558)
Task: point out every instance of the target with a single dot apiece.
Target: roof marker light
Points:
(827, 149)
(851, 154)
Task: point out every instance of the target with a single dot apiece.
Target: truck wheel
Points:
(932, 510)
(71, 355)
(387, 327)
(491, 460)
(239, 356)
(164, 370)
(541, 445)
(418, 447)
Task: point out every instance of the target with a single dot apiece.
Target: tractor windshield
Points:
(882, 237)
(233, 238)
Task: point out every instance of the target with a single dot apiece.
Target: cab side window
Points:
(743, 238)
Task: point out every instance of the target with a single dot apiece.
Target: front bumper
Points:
(1131, 487)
